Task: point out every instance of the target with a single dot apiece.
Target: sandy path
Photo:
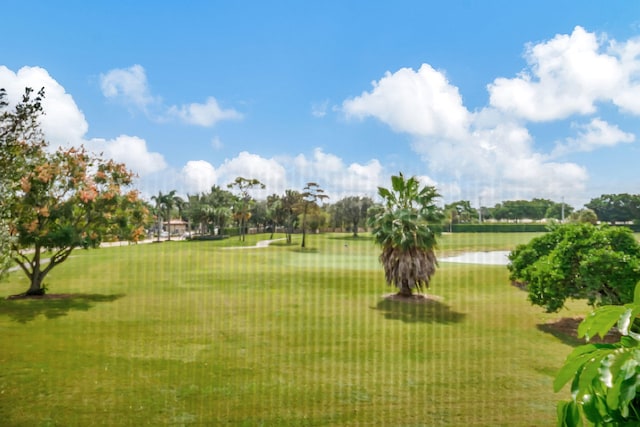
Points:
(487, 258)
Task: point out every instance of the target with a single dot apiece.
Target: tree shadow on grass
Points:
(350, 238)
(429, 311)
(24, 310)
(566, 330)
(305, 250)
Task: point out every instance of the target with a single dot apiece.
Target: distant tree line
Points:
(218, 209)
(461, 212)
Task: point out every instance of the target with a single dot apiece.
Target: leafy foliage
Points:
(599, 263)
(460, 212)
(616, 207)
(402, 226)
(210, 211)
(535, 209)
(20, 139)
(311, 194)
(242, 207)
(351, 211)
(605, 378)
(62, 200)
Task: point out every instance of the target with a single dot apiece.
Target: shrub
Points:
(599, 263)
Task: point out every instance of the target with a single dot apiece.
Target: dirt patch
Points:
(520, 285)
(567, 328)
(413, 299)
(45, 296)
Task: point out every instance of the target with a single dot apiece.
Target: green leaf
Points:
(397, 183)
(600, 321)
(616, 369)
(636, 294)
(626, 320)
(568, 414)
(573, 364)
(589, 375)
(384, 193)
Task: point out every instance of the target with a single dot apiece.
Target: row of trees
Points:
(217, 209)
(461, 211)
(211, 212)
(616, 207)
(611, 208)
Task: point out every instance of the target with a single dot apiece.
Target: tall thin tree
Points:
(311, 194)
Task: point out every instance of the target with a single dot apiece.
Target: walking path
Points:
(487, 258)
(260, 244)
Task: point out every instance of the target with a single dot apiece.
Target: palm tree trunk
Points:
(405, 290)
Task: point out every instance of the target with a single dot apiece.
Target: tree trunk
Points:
(405, 290)
(35, 276)
(304, 226)
(36, 285)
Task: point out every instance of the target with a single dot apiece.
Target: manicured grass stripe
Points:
(187, 333)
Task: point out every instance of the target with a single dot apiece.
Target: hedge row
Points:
(511, 228)
(496, 228)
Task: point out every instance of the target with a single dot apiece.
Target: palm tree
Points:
(164, 205)
(244, 185)
(159, 204)
(403, 226)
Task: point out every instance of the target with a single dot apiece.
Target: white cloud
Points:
(199, 176)
(468, 152)
(247, 165)
(319, 110)
(567, 75)
(596, 134)
(132, 151)
(280, 174)
(129, 85)
(216, 143)
(63, 123)
(207, 114)
(491, 151)
(421, 103)
(628, 98)
(335, 177)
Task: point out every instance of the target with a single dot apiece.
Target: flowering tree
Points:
(20, 138)
(64, 200)
(70, 199)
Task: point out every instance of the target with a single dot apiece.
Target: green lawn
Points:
(190, 333)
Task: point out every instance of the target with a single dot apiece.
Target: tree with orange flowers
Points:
(63, 200)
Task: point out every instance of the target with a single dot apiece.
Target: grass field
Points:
(191, 333)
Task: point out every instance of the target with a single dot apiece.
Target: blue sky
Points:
(489, 101)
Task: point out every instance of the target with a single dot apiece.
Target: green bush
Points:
(599, 263)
